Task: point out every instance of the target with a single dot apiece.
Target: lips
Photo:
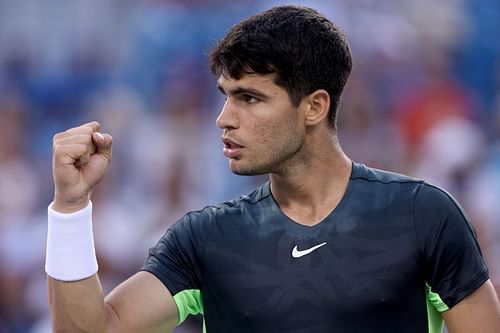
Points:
(231, 148)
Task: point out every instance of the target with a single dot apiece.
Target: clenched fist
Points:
(81, 156)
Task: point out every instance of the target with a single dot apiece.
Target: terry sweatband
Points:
(70, 252)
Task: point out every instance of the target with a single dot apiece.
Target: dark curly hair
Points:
(304, 49)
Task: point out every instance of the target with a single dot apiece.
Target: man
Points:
(328, 245)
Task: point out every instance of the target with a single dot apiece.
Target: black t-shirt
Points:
(394, 253)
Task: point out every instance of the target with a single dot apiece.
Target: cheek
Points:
(265, 133)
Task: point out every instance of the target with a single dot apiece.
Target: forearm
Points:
(79, 306)
(75, 295)
(81, 156)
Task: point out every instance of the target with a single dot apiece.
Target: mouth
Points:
(231, 149)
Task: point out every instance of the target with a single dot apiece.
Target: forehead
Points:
(252, 81)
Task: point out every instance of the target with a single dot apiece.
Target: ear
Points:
(318, 106)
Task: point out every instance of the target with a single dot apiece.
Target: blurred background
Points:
(424, 99)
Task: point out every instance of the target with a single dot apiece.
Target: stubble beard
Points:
(278, 161)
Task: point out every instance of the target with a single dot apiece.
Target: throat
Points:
(307, 215)
(309, 200)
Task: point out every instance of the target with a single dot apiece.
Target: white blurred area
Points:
(424, 99)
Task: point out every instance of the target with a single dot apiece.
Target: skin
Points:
(287, 142)
(81, 156)
(263, 133)
(270, 141)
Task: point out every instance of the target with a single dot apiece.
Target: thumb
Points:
(103, 143)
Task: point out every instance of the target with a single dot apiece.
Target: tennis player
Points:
(326, 245)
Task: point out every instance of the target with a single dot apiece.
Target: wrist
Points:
(70, 252)
(69, 206)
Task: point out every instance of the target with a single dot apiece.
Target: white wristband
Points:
(70, 245)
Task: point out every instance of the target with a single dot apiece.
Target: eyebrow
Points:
(243, 91)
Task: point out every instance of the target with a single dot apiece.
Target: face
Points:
(262, 131)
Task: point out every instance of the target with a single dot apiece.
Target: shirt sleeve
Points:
(453, 263)
(177, 257)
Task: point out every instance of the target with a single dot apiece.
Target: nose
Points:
(227, 118)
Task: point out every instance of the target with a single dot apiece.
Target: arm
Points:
(455, 268)
(81, 156)
(479, 312)
(139, 304)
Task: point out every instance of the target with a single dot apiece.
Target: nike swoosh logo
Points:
(296, 253)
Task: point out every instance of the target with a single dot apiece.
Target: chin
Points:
(245, 170)
(247, 173)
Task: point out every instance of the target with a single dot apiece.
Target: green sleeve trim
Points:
(435, 299)
(435, 306)
(188, 302)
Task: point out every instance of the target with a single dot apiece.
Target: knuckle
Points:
(82, 130)
(87, 129)
(92, 126)
(57, 137)
(88, 139)
(57, 150)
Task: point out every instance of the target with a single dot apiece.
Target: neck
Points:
(311, 189)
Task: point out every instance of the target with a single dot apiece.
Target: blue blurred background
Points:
(424, 99)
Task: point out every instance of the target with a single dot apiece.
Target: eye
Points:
(250, 99)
